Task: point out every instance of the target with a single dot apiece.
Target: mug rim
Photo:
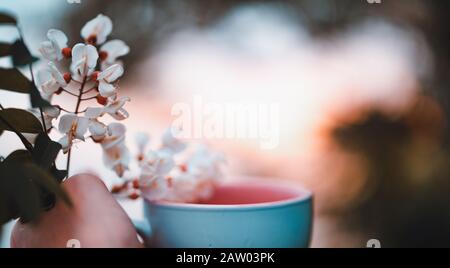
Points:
(303, 196)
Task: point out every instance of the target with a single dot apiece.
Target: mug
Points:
(253, 214)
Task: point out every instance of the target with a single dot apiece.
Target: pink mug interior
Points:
(252, 193)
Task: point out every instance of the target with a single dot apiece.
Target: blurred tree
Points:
(405, 202)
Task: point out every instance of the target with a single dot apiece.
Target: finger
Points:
(95, 220)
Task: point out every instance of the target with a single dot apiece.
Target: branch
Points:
(68, 92)
(89, 90)
(69, 153)
(90, 98)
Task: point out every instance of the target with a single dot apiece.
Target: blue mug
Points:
(238, 215)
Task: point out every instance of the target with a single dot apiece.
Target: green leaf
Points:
(18, 194)
(5, 49)
(36, 98)
(58, 174)
(45, 151)
(20, 54)
(23, 121)
(14, 80)
(26, 190)
(7, 19)
(46, 181)
(19, 156)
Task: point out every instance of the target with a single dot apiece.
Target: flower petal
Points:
(43, 76)
(116, 136)
(105, 65)
(141, 139)
(111, 74)
(116, 129)
(52, 111)
(58, 38)
(100, 26)
(48, 51)
(92, 56)
(97, 128)
(120, 114)
(65, 122)
(78, 52)
(115, 108)
(157, 189)
(106, 89)
(50, 87)
(56, 74)
(65, 143)
(84, 59)
(117, 104)
(115, 49)
(170, 142)
(94, 112)
(82, 127)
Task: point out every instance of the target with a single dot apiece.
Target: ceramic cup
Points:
(239, 215)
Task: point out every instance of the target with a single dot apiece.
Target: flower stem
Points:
(77, 107)
(30, 67)
(90, 98)
(80, 94)
(89, 90)
(67, 111)
(70, 93)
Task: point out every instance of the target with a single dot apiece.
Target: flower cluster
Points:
(88, 70)
(172, 172)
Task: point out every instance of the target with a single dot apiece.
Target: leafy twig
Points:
(30, 67)
(25, 142)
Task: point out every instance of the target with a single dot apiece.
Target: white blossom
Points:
(114, 108)
(170, 142)
(84, 61)
(156, 164)
(155, 168)
(112, 50)
(205, 164)
(50, 113)
(115, 153)
(73, 127)
(142, 139)
(84, 75)
(107, 78)
(97, 129)
(52, 49)
(97, 30)
(182, 188)
(157, 189)
(49, 80)
(197, 180)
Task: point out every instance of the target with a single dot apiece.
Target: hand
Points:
(96, 220)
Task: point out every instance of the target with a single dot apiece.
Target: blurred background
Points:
(363, 90)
